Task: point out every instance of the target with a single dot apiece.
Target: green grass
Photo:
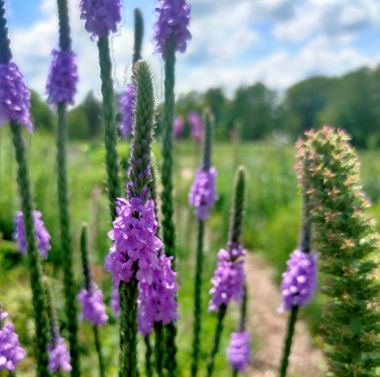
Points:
(271, 228)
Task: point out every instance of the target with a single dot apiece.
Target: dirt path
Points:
(268, 328)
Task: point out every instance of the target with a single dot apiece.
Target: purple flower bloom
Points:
(202, 194)
(157, 299)
(299, 282)
(42, 235)
(135, 244)
(178, 126)
(59, 357)
(115, 304)
(238, 351)
(101, 16)
(196, 124)
(127, 108)
(93, 308)
(228, 279)
(14, 96)
(11, 353)
(173, 21)
(63, 78)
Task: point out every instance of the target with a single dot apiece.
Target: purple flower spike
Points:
(238, 351)
(178, 126)
(228, 279)
(202, 195)
(115, 304)
(63, 78)
(173, 20)
(127, 107)
(14, 97)
(11, 353)
(101, 16)
(157, 300)
(59, 357)
(299, 282)
(196, 124)
(42, 235)
(93, 308)
(134, 241)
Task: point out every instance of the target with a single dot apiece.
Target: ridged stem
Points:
(39, 299)
(66, 241)
(5, 50)
(64, 25)
(207, 140)
(197, 314)
(288, 341)
(98, 347)
(139, 35)
(216, 343)
(148, 357)
(159, 348)
(110, 133)
(243, 310)
(54, 332)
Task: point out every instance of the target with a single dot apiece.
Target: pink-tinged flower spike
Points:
(100, 16)
(59, 356)
(238, 351)
(196, 125)
(11, 353)
(178, 127)
(172, 22)
(42, 235)
(63, 78)
(127, 108)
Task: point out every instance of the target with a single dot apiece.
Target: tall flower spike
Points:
(228, 280)
(238, 351)
(42, 235)
(127, 108)
(24, 188)
(101, 16)
(201, 197)
(61, 88)
(173, 19)
(11, 353)
(346, 239)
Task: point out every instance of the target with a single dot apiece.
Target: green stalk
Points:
(148, 357)
(139, 35)
(216, 343)
(39, 299)
(63, 205)
(159, 348)
(88, 285)
(167, 205)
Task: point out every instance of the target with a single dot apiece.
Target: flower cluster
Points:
(63, 78)
(127, 107)
(59, 357)
(178, 126)
(135, 244)
(157, 301)
(42, 235)
(173, 21)
(196, 125)
(100, 16)
(228, 279)
(202, 195)
(14, 96)
(93, 308)
(11, 353)
(238, 351)
(299, 282)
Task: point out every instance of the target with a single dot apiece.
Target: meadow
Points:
(271, 227)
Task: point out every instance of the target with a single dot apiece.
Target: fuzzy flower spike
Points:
(11, 353)
(127, 107)
(238, 351)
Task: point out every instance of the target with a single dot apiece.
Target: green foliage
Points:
(346, 238)
(42, 116)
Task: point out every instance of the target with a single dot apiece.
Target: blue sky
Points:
(235, 42)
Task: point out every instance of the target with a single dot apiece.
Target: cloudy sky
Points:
(235, 42)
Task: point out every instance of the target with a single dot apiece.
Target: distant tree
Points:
(42, 115)
(93, 113)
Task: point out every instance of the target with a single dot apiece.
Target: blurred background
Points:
(269, 70)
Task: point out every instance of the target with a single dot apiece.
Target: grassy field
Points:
(271, 227)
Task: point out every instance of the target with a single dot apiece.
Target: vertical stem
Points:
(235, 373)
(168, 228)
(159, 348)
(148, 357)
(198, 300)
(98, 346)
(139, 35)
(288, 341)
(66, 242)
(217, 336)
(39, 299)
